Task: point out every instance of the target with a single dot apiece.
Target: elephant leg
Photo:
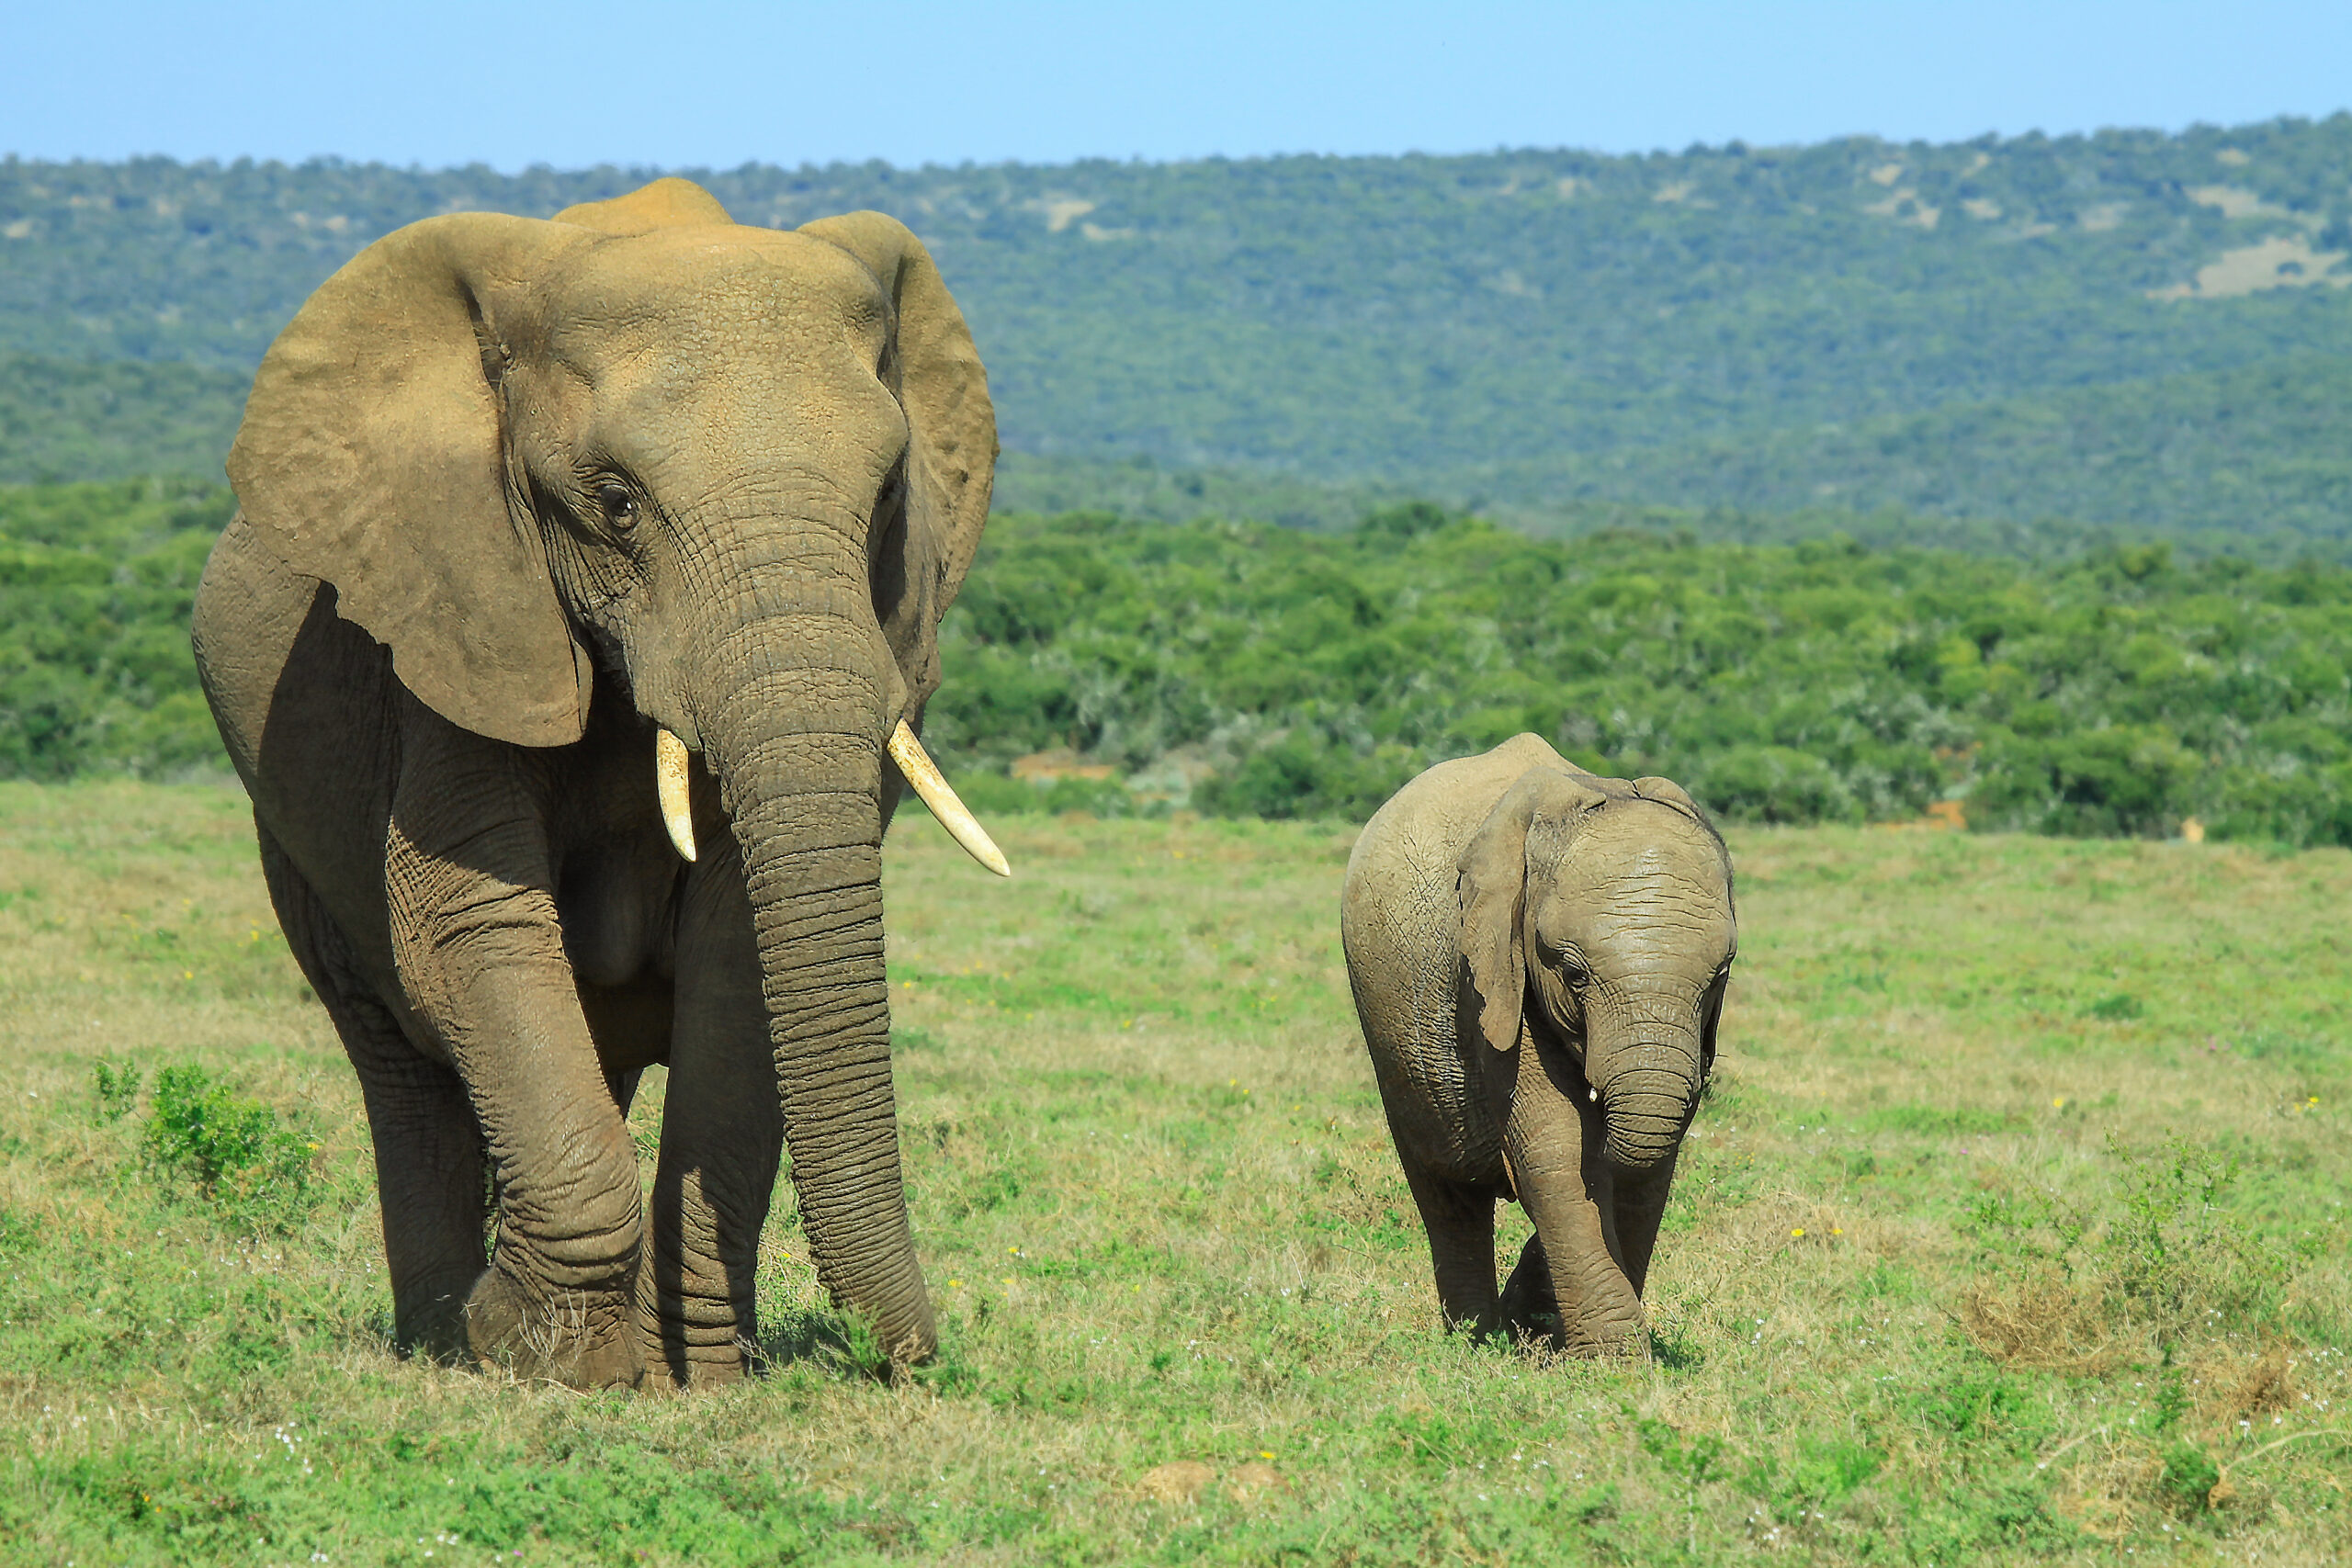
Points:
(479, 950)
(1460, 1221)
(1528, 1304)
(631, 1024)
(722, 1139)
(1598, 1312)
(428, 1148)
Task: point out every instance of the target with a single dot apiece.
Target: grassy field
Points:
(2012, 1230)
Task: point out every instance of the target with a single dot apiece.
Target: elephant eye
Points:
(619, 506)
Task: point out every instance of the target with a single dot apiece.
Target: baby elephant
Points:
(1539, 958)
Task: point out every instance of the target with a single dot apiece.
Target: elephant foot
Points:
(663, 1377)
(672, 1369)
(691, 1340)
(572, 1340)
(1623, 1347)
(1605, 1323)
(1528, 1297)
(430, 1321)
(1564, 1336)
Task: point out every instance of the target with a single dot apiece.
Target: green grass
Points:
(1967, 1264)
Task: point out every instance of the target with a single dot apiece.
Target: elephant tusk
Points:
(961, 825)
(669, 784)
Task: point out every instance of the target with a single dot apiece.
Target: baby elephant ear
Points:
(370, 458)
(1492, 888)
(1669, 793)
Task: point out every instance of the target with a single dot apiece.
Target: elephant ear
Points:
(1492, 888)
(1708, 1023)
(667, 203)
(951, 426)
(1667, 792)
(370, 458)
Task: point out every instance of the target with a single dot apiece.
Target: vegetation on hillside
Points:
(96, 581)
(2019, 328)
(1258, 670)
(2116, 693)
(62, 420)
(2275, 535)
(2256, 459)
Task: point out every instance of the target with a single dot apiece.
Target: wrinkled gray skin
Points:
(1539, 958)
(514, 493)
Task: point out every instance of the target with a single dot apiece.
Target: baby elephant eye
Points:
(619, 506)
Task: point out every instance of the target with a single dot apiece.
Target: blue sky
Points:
(681, 84)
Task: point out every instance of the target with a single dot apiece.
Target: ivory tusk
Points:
(961, 825)
(669, 784)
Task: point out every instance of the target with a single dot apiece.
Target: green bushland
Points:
(96, 585)
(1979, 328)
(64, 420)
(1959, 1267)
(2258, 456)
(1140, 488)
(2115, 693)
(1250, 670)
(2254, 461)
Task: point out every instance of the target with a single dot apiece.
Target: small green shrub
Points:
(232, 1151)
(992, 794)
(841, 1344)
(1305, 776)
(2189, 1478)
(2173, 1248)
(1097, 797)
(1971, 1401)
(1699, 1458)
(2119, 780)
(117, 1087)
(1824, 1471)
(1939, 1122)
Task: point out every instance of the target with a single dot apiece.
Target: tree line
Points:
(1248, 669)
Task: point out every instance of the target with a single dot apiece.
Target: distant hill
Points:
(2261, 455)
(65, 420)
(2128, 329)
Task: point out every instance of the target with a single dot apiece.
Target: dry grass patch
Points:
(2045, 1321)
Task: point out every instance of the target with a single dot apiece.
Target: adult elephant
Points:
(531, 512)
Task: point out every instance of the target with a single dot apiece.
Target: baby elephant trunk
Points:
(1647, 1093)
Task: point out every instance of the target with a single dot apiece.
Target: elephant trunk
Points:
(795, 743)
(1644, 1069)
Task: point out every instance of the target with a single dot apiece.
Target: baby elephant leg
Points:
(1460, 1222)
(1530, 1308)
(1597, 1311)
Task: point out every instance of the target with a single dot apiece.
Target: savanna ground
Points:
(2012, 1230)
